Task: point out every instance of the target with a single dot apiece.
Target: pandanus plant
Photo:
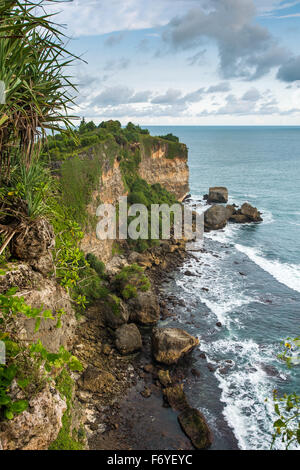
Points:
(38, 89)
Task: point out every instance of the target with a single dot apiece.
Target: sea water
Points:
(248, 278)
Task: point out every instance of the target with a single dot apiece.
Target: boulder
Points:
(251, 212)
(34, 245)
(245, 214)
(218, 194)
(195, 427)
(238, 218)
(175, 397)
(128, 339)
(215, 218)
(96, 380)
(115, 265)
(164, 377)
(170, 344)
(144, 308)
(230, 210)
(115, 312)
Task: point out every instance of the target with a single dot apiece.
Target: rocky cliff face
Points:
(156, 166)
(171, 173)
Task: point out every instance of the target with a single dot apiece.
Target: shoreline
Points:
(135, 410)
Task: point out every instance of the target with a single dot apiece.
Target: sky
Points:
(186, 62)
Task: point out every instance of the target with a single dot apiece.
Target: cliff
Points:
(159, 162)
(55, 265)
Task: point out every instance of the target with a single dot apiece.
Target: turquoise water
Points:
(252, 277)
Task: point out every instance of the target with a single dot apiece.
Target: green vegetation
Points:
(28, 365)
(130, 280)
(170, 137)
(68, 438)
(33, 64)
(287, 407)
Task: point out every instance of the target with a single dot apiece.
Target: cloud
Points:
(245, 48)
(196, 59)
(97, 17)
(113, 96)
(171, 96)
(221, 87)
(117, 64)
(114, 39)
(290, 72)
(251, 95)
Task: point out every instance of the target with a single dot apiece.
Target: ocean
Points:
(248, 279)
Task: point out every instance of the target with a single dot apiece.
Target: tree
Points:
(33, 64)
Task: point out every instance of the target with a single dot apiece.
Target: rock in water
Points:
(245, 214)
(251, 212)
(195, 427)
(170, 344)
(215, 218)
(128, 339)
(218, 194)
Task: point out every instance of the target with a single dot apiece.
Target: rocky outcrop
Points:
(245, 214)
(195, 427)
(171, 173)
(215, 218)
(170, 344)
(96, 381)
(39, 291)
(144, 308)
(218, 194)
(115, 312)
(38, 426)
(34, 244)
(128, 339)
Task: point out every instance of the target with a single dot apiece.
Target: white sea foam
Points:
(287, 274)
(244, 390)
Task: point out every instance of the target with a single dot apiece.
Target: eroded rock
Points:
(218, 194)
(144, 308)
(170, 344)
(128, 339)
(38, 426)
(215, 218)
(96, 380)
(195, 427)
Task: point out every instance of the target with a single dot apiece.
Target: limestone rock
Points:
(35, 243)
(144, 308)
(164, 377)
(115, 315)
(128, 339)
(215, 218)
(245, 214)
(115, 265)
(170, 344)
(96, 380)
(218, 194)
(195, 427)
(48, 294)
(36, 427)
(251, 212)
(176, 398)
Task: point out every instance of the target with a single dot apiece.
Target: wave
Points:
(244, 389)
(287, 274)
